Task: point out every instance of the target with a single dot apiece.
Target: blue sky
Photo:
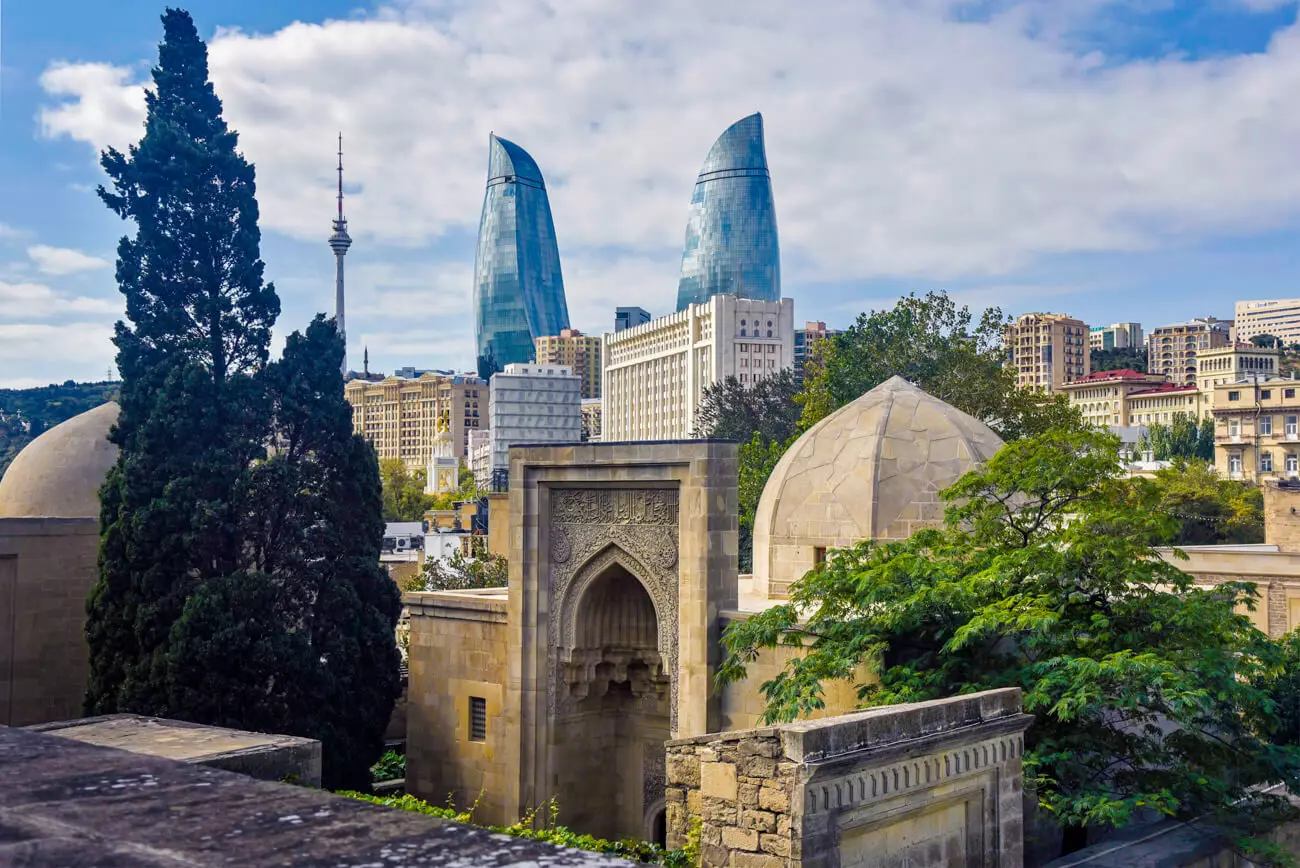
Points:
(1117, 161)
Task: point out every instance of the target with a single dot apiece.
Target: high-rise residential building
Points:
(1102, 397)
(630, 317)
(1117, 336)
(402, 417)
(1279, 317)
(804, 339)
(518, 289)
(1172, 349)
(1047, 350)
(731, 246)
(655, 374)
(533, 404)
(576, 351)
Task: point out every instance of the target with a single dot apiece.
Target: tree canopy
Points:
(730, 410)
(239, 579)
(1132, 358)
(1208, 509)
(1181, 438)
(1044, 577)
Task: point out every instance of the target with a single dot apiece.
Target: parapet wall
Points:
(926, 784)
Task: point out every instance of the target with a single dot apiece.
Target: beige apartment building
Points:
(656, 373)
(1047, 350)
(1257, 428)
(1232, 363)
(1103, 397)
(1173, 349)
(1279, 317)
(1163, 404)
(578, 352)
(400, 416)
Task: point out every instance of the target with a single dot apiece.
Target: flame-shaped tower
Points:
(731, 246)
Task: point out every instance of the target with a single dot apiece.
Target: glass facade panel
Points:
(518, 288)
(731, 246)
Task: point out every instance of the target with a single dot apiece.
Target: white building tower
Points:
(339, 242)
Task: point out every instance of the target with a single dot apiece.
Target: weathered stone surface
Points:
(755, 860)
(718, 780)
(774, 844)
(758, 767)
(748, 795)
(740, 839)
(763, 821)
(683, 770)
(773, 799)
(64, 802)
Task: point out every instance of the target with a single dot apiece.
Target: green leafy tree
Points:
(461, 573)
(758, 459)
(239, 584)
(1131, 358)
(1181, 438)
(1208, 509)
(1266, 340)
(404, 497)
(1043, 577)
(731, 410)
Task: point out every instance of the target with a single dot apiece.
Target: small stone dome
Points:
(58, 474)
(873, 469)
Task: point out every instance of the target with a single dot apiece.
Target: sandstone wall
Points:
(47, 568)
(928, 784)
(458, 653)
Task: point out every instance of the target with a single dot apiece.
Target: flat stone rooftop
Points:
(71, 803)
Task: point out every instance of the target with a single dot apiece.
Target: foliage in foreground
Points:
(239, 580)
(550, 833)
(1145, 688)
(391, 767)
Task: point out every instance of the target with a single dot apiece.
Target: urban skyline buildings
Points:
(518, 286)
(731, 242)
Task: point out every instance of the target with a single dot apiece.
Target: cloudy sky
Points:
(1115, 160)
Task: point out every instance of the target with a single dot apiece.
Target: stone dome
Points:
(873, 469)
(58, 474)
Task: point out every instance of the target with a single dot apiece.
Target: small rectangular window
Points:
(477, 718)
(1265, 394)
(1288, 393)
(1266, 462)
(1233, 396)
(819, 556)
(1265, 424)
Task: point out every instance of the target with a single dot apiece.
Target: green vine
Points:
(550, 832)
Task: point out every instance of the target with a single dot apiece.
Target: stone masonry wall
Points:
(739, 788)
(926, 784)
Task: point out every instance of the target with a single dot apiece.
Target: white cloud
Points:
(83, 351)
(63, 260)
(901, 141)
(37, 301)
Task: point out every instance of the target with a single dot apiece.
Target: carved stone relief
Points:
(592, 530)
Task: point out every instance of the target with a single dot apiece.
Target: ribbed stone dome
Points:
(58, 474)
(871, 470)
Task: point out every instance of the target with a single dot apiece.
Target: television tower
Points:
(339, 242)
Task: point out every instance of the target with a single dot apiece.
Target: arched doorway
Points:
(615, 717)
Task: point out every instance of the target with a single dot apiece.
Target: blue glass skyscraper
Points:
(518, 290)
(731, 244)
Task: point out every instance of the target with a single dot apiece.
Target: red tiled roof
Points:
(1121, 374)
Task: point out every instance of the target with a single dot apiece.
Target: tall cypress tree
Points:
(207, 581)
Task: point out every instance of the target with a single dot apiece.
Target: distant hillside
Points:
(26, 413)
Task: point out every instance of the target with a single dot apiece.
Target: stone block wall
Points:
(47, 568)
(927, 784)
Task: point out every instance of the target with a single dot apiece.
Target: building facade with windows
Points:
(518, 288)
(1257, 428)
(655, 374)
(804, 340)
(630, 317)
(1102, 397)
(403, 417)
(1047, 350)
(1279, 317)
(590, 420)
(1232, 363)
(533, 404)
(578, 352)
(1165, 403)
(731, 247)
(1117, 336)
(1173, 349)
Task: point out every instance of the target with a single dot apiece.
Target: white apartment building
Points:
(656, 373)
(533, 403)
(1279, 317)
(1116, 336)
